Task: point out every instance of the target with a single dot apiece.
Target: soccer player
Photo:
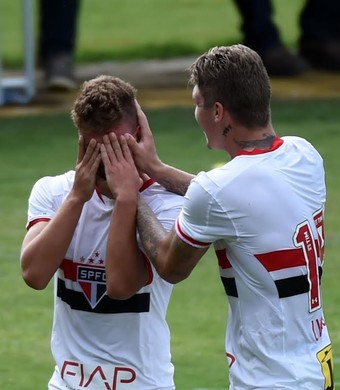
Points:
(264, 213)
(109, 329)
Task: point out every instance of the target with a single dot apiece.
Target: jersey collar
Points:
(275, 145)
(144, 186)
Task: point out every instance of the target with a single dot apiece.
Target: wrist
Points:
(76, 199)
(157, 169)
(128, 198)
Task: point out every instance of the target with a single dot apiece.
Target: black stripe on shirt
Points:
(139, 303)
(294, 286)
(229, 285)
(288, 287)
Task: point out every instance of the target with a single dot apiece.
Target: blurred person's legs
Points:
(57, 41)
(262, 35)
(320, 33)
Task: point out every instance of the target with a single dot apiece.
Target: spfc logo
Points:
(92, 280)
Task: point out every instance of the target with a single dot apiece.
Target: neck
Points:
(104, 189)
(260, 143)
(250, 139)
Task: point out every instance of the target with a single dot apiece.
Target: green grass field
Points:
(34, 146)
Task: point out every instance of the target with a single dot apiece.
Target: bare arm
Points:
(173, 258)
(126, 270)
(46, 243)
(147, 160)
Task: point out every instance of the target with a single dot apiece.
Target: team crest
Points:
(92, 280)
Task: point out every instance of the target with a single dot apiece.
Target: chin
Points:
(210, 145)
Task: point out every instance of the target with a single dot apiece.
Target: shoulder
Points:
(214, 180)
(302, 147)
(54, 185)
(158, 197)
(294, 141)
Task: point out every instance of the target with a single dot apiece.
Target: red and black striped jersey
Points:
(264, 211)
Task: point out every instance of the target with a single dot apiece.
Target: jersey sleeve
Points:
(40, 204)
(167, 216)
(202, 220)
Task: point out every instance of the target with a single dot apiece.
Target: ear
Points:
(219, 112)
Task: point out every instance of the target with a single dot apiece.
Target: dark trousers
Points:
(57, 27)
(319, 19)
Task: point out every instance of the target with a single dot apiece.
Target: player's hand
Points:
(87, 165)
(121, 173)
(144, 149)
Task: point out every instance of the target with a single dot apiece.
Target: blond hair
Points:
(103, 103)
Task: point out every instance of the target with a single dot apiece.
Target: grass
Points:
(133, 29)
(35, 146)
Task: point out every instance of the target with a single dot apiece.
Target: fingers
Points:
(91, 153)
(81, 148)
(143, 121)
(86, 168)
(104, 151)
(126, 150)
(131, 142)
(116, 149)
(97, 159)
(111, 149)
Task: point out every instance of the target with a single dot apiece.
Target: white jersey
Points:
(264, 213)
(97, 342)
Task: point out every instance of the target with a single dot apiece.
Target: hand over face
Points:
(87, 165)
(144, 151)
(121, 173)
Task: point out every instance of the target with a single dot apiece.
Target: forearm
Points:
(126, 272)
(173, 258)
(171, 178)
(151, 234)
(42, 254)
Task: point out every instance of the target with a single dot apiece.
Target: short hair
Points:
(102, 103)
(236, 77)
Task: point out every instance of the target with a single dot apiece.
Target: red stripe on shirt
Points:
(286, 258)
(70, 269)
(189, 239)
(36, 221)
(146, 184)
(222, 258)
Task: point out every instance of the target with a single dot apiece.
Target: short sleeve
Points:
(41, 203)
(202, 220)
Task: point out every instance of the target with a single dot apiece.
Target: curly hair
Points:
(103, 103)
(236, 77)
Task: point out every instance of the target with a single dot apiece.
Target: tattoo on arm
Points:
(173, 179)
(173, 258)
(179, 188)
(150, 230)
